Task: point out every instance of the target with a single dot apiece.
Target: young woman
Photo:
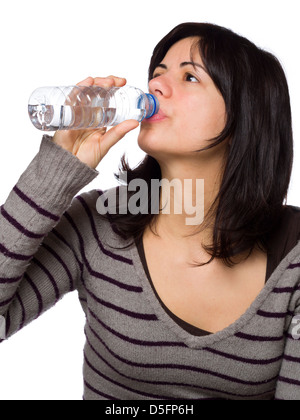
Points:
(173, 310)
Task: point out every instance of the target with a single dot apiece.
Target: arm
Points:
(37, 264)
(37, 267)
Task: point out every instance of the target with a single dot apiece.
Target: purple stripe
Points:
(165, 383)
(91, 388)
(23, 311)
(7, 301)
(9, 280)
(19, 227)
(96, 274)
(37, 293)
(186, 368)
(49, 249)
(113, 226)
(289, 336)
(130, 377)
(49, 275)
(7, 324)
(13, 255)
(135, 315)
(291, 266)
(92, 272)
(284, 289)
(257, 337)
(244, 360)
(289, 380)
(35, 206)
(291, 358)
(84, 300)
(145, 394)
(96, 236)
(276, 315)
(135, 341)
(62, 239)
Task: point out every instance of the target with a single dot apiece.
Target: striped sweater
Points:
(52, 243)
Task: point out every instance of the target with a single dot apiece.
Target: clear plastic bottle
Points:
(80, 107)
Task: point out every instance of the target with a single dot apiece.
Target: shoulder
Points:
(90, 212)
(290, 220)
(284, 237)
(294, 210)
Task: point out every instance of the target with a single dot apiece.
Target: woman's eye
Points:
(190, 78)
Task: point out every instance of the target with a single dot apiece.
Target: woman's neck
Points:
(188, 190)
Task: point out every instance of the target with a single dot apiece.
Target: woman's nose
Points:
(160, 86)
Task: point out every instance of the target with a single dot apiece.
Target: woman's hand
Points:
(91, 145)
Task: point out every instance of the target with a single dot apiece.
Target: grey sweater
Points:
(52, 244)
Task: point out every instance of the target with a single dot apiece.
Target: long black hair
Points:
(258, 167)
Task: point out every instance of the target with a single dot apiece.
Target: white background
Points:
(61, 42)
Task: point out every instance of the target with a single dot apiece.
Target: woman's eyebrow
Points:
(192, 63)
(163, 66)
(184, 63)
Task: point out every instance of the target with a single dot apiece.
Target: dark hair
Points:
(258, 167)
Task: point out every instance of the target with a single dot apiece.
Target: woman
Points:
(173, 310)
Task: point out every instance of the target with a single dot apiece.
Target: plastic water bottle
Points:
(81, 107)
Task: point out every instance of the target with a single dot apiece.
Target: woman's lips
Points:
(157, 117)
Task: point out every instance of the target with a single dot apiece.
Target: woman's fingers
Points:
(89, 81)
(110, 81)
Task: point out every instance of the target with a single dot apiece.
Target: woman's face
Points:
(192, 110)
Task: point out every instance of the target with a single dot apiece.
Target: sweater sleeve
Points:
(37, 266)
(288, 383)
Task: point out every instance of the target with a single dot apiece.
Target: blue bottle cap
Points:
(155, 104)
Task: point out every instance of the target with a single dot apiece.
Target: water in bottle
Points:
(81, 107)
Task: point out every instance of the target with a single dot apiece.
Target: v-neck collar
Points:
(193, 341)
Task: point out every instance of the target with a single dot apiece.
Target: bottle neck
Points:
(152, 105)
